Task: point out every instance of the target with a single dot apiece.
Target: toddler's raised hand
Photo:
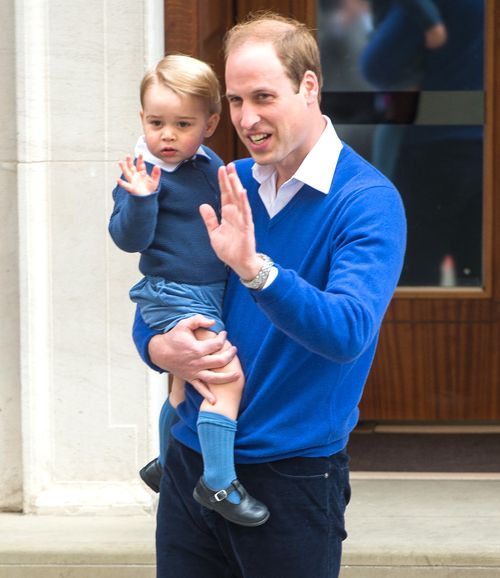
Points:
(138, 182)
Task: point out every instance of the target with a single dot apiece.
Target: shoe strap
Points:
(221, 495)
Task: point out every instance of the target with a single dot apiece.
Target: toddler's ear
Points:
(212, 122)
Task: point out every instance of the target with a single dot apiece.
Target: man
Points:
(306, 327)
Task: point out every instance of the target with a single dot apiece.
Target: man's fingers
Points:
(195, 322)
(213, 352)
(217, 377)
(239, 194)
(226, 187)
(204, 391)
(218, 360)
(223, 182)
(246, 211)
(234, 183)
(209, 217)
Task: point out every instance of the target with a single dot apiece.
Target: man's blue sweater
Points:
(306, 342)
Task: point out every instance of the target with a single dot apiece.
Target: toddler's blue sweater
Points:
(166, 227)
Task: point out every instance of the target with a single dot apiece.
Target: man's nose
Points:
(249, 116)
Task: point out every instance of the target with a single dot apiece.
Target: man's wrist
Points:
(273, 273)
(259, 280)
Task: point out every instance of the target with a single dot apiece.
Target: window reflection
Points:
(412, 103)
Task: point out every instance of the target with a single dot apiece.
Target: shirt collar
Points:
(141, 148)
(325, 154)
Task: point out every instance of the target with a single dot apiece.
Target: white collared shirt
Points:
(316, 170)
(141, 148)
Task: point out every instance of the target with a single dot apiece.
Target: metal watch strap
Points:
(260, 279)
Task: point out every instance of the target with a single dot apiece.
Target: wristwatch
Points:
(260, 279)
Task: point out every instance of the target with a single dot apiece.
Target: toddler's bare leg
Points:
(228, 395)
(217, 425)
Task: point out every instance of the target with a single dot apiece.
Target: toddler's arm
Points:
(133, 221)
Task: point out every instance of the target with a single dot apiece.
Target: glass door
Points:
(404, 83)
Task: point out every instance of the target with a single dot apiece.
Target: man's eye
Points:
(155, 123)
(184, 124)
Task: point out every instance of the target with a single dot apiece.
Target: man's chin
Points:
(259, 158)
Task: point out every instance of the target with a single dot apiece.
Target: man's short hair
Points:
(185, 76)
(294, 42)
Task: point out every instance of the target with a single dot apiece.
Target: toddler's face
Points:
(174, 125)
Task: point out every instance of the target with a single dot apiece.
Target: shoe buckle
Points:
(220, 495)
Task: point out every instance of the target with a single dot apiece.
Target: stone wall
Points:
(77, 407)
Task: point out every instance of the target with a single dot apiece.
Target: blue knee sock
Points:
(168, 417)
(217, 433)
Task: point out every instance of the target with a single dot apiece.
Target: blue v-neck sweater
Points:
(306, 342)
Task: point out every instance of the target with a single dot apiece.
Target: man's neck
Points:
(284, 172)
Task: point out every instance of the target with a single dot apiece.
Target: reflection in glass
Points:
(411, 102)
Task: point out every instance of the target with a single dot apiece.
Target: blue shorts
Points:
(164, 303)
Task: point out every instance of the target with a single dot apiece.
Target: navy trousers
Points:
(307, 498)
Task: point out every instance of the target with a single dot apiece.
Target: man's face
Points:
(268, 112)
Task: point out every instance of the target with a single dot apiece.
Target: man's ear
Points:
(212, 122)
(310, 86)
(141, 114)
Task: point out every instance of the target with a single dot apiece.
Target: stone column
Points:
(10, 388)
(88, 409)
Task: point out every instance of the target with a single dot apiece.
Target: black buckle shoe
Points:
(249, 512)
(151, 474)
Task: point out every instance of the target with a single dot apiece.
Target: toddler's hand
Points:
(138, 182)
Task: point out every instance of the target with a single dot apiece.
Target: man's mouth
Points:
(259, 138)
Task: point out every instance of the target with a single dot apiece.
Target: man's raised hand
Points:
(233, 238)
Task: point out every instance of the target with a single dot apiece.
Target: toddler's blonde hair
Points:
(185, 76)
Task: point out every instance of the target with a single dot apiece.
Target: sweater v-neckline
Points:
(271, 220)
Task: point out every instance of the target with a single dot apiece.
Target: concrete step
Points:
(398, 528)
(76, 546)
(420, 528)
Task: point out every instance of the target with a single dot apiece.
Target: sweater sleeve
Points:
(341, 321)
(133, 221)
(142, 334)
